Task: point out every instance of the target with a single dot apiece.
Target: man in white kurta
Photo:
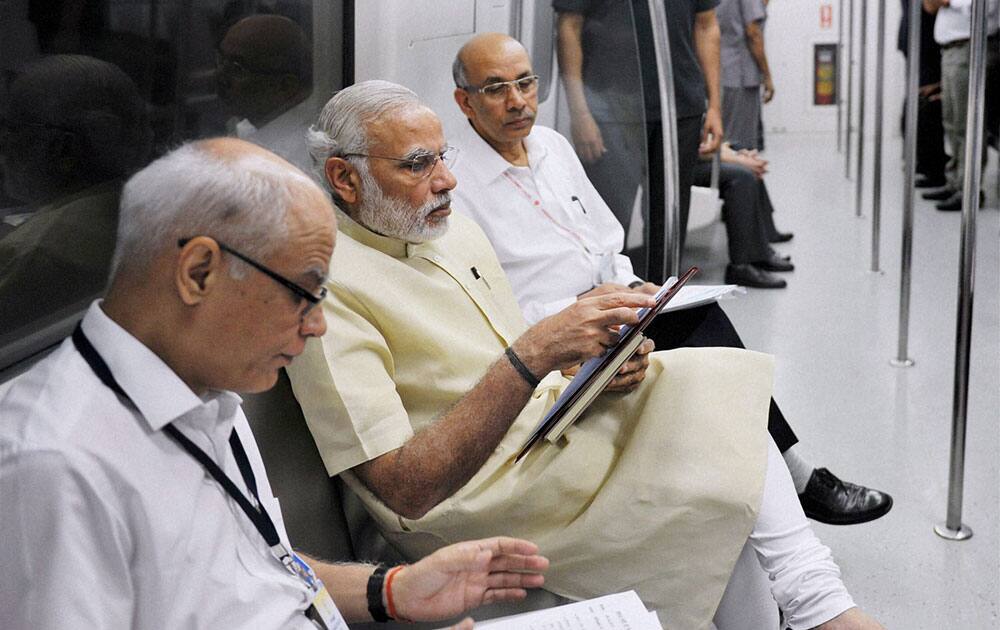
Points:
(656, 490)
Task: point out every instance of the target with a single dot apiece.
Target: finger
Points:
(627, 298)
(519, 564)
(512, 579)
(503, 595)
(506, 545)
(465, 624)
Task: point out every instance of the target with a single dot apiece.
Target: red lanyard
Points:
(536, 202)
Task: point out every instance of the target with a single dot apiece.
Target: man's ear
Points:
(198, 270)
(462, 98)
(343, 179)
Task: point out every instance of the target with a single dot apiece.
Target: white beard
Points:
(396, 218)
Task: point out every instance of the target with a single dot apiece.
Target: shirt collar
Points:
(159, 394)
(391, 246)
(486, 163)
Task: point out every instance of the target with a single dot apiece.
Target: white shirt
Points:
(107, 523)
(954, 21)
(554, 235)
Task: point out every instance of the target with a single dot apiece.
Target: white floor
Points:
(834, 330)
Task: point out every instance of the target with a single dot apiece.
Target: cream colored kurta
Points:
(655, 490)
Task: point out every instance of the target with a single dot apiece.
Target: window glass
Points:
(92, 90)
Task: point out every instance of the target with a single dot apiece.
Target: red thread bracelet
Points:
(390, 605)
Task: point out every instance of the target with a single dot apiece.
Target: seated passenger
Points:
(556, 240)
(109, 517)
(433, 382)
(75, 128)
(747, 217)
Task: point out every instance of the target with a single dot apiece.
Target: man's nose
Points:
(314, 322)
(442, 179)
(515, 100)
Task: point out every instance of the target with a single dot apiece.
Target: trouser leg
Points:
(748, 241)
(804, 579)
(688, 138)
(954, 101)
(709, 326)
(741, 115)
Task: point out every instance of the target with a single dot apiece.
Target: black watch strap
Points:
(375, 583)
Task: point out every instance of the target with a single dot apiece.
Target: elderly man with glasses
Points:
(433, 383)
(558, 240)
(133, 492)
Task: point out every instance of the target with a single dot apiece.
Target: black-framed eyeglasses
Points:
(420, 165)
(499, 90)
(299, 292)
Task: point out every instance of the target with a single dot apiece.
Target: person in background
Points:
(746, 75)
(73, 128)
(931, 157)
(951, 32)
(133, 492)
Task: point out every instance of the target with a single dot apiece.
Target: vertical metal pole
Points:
(909, 174)
(877, 158)
(840, 74)
(668, 113)
(952, 528)
(862, 63)
(850, 88)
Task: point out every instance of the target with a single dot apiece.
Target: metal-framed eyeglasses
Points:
(310, 299)
(500, 89)
(422, 163)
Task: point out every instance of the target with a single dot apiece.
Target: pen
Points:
(577, 199)
(475, 274)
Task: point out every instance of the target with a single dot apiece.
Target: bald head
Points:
(497, 90)
(483, 49)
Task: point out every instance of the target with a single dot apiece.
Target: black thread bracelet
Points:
(376, 582)
(521, 368)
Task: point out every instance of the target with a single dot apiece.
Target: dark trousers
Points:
(742, 210)
(931, 157)
(708, 326)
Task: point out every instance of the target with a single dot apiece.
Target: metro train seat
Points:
(322, 516)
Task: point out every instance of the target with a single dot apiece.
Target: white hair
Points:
(341, 128)
(242, 201)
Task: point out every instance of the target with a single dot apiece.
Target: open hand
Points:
(466, 575)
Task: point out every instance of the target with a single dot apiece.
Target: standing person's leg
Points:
(688, 138)
(954, 99)
(741, 115)
(931, 157)
(618, 173)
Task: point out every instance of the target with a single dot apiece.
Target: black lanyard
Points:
(257, 514)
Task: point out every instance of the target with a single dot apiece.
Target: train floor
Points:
(834, 331)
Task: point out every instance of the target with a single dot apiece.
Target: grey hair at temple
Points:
(242, 201)
(342, 125)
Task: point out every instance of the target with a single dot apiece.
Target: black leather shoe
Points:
(781, 237)
(951, 204)
(922, 181)
(750, 276)
(938, 195)
(775, 262)
(954, 204)
(829, 500)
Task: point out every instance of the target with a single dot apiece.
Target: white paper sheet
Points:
(621, 611)
(691, 296)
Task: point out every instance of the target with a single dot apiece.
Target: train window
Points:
(92, 90)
